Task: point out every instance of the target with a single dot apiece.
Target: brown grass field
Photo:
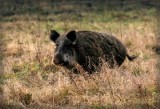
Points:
(31, 80)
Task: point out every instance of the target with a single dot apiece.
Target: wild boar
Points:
(88, 49)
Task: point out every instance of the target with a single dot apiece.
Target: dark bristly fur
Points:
(88, 49)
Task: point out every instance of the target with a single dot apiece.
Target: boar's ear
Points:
(54, 35)
(72, 36)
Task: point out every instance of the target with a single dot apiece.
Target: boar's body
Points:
(88, 49)
(92, 48)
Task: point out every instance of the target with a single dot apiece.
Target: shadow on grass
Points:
(2, 46)
(124, 106)
(157, 50)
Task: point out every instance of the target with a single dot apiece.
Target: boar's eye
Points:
(70, 45)
(57, 44)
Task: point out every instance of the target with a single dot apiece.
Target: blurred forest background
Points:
(29, 79)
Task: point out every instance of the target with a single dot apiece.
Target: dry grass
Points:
(33, 81)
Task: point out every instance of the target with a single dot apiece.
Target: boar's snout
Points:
(58, 60)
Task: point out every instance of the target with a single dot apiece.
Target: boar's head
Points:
(64, 53)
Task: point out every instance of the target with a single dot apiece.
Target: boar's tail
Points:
(131, 58)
